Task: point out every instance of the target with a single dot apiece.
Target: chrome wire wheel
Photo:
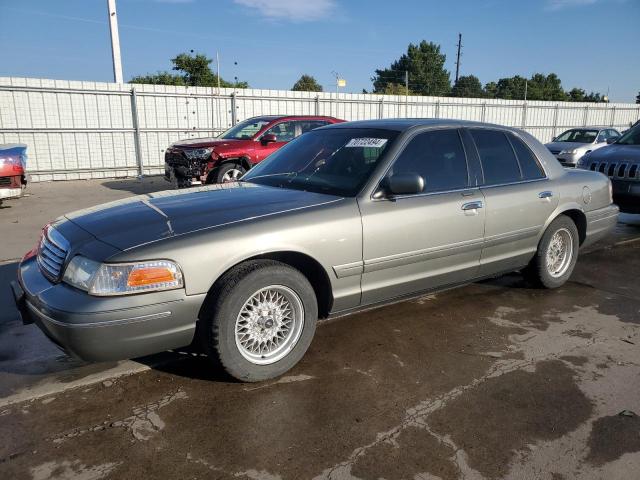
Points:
(269, 324)
(559, 253)
(232, 175)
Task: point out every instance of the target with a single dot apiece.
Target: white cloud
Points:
(294, 10)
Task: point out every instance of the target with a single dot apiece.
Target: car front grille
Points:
(52, 253)
(4, 181)
(616, 170)
(555, 152)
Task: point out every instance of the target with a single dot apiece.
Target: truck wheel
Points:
(229, 172)
(556, 256)
(260, 320)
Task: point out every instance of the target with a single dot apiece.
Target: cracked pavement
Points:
(492, 380)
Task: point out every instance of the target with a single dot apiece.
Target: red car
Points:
(227, 157)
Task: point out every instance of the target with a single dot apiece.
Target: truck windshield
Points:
(246, 130)
(335, 161)
(631, 137)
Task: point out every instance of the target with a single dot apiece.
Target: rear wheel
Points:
(260, 321)
(557, 254)
(229, 172)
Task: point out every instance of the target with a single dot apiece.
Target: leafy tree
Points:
(511, 88)
(307, 83)
(549, 87)
(593, 97)
(396, 89)
(577, 95)
(638, 98)
(468, 86)
(425, 65)
(491, 90)
(193, 70)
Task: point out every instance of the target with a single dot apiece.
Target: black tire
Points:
(228, 298)
(225, 169)
(537, 272)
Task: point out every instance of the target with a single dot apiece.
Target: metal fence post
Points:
(555, 120)
(234, 113)
(483, 115)
(136, 133)
(317, 104)
(381, 109)
(613, 116)
(585, 116)
(524, 115)
(438, 109)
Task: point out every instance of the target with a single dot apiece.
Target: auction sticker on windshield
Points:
(366, 142)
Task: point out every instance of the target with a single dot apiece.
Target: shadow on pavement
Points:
(141, 186)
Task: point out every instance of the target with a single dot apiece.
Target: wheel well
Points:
(580, 220)
(310, 268)
(244, 161)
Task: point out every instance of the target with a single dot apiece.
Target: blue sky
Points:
(592, 44)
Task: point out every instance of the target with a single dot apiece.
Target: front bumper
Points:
(569, 160)
(6, 193)
(626, 193)
(105, 328)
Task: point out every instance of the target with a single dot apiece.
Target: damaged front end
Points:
(184, 167)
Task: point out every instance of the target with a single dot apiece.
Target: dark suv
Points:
(227, 157)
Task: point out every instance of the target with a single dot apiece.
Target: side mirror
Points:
(405, 184)
(611, 140)
(268, 138)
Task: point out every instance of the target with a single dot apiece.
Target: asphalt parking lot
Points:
(492, 380)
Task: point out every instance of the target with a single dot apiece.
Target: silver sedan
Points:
(570, 146)
(343, 218)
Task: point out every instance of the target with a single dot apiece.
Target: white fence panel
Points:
(95, 130)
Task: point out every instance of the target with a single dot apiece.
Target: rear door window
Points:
(308, 125)
(499, 162)
(437, 156)
(529, 165)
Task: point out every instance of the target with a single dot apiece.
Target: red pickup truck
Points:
(229, 156)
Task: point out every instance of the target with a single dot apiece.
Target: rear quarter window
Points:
(499, 162)
(529, 164)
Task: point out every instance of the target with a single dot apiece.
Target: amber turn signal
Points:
(149, 276)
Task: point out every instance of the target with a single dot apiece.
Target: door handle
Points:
(472, 205)
(545, 194)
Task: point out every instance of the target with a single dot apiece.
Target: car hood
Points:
(617, 153)
(566, 145)
(208, 142)
(128, 223)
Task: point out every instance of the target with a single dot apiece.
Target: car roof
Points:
(403, 124)
(271, 118)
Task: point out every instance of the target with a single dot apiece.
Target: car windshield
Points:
(631, 137)
(247, 129)
(578, 136)
(335, 161)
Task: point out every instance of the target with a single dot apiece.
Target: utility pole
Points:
(458, 56)
(115, 42)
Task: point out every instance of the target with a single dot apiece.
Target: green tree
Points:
(511, 88)
(491, 90)
(193, 70)
(545, 87)
(396, 89)
(593, 97)
(468, 86)
(638, 98)
(576, 95)
(425, 65)
(307, 83)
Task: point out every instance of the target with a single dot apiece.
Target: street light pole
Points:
(115, 42)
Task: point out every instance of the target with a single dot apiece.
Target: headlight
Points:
(570, 151)
(198, 153)
(102, 279)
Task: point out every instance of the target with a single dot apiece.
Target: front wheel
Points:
(229, 172)
(261, 320)
(556, 255)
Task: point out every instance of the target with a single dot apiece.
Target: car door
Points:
(283, 131)
(519, 199)
(417, 242)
